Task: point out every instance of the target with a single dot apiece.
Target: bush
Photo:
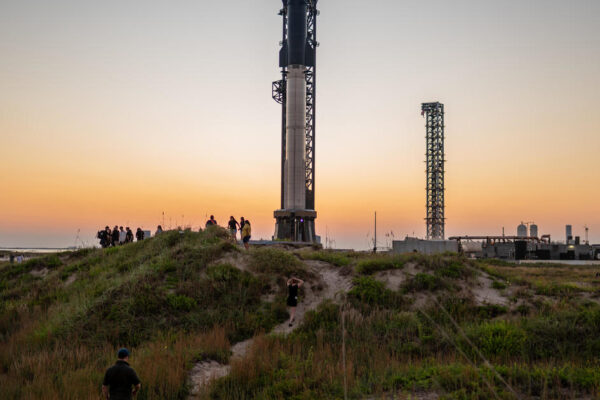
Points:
(498, 285)
(498, 338)
(276, 261)
(332, 257)
(369, 291)
(380, 263)
(180, 302)
(423, 281)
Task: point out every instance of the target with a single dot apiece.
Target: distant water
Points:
(40, 250)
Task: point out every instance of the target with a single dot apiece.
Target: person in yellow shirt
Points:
(246, 233)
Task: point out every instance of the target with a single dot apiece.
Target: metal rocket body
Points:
(295, 221)
(295, 52)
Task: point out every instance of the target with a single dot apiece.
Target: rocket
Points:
(295, 221)
(296, 54)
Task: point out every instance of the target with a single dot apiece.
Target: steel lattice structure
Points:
(279, 95)
(435, 220)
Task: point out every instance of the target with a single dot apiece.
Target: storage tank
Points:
(533, 230)
(522, 230)
(569, 230)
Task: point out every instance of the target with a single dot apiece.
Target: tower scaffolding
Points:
(435, 160)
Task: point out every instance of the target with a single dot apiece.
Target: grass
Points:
(168, 298)
(173, 301)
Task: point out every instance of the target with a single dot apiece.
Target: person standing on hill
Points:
(120, 381)
(122, 235)
(246, 234)
(128, 235)
(293, 284)
(233, 225)
(211, 222)
(139, 234)
(115, 236)
(158, 230)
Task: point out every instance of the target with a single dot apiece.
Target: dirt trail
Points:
(330, 285)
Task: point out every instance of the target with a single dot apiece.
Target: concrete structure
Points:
(412, 245)
(522, 230)
(533, 230)
(295, 221)
(569, 233)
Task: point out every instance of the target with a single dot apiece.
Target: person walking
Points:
(233, 225)
(120, 381)
(293, 285)
(246, 234)
(139, 234)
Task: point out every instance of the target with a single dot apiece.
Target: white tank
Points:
(533, 230)
(522, 230)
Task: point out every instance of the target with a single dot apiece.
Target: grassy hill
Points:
(425, 327)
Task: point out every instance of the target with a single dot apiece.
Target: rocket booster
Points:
(296, 54)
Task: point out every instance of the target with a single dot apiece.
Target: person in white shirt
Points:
(122, 235)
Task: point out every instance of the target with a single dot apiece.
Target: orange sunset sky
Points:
(113, 112)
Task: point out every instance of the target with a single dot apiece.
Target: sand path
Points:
(331, 285)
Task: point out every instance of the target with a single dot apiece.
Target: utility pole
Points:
(375, 240)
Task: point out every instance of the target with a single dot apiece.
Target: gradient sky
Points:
(112, 112)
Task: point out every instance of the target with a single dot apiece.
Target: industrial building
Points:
(527, 245)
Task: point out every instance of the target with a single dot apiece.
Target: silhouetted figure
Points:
(158, 230)
(211, 221)
(233, 226)
(104, 236)
(293, 285)
(128, 235)
(139, 234)
(115, 236)
(120, 381)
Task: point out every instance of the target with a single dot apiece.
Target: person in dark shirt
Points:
(139, 234)
(120, 379)
(115, 236)
(233, 225)
(211, 222)
(292, 301)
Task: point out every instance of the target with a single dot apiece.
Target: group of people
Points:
(118, 236)
(233, 225)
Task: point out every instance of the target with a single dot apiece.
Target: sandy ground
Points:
(485, 294)
(331, 284)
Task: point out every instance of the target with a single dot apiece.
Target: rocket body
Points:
(295, 163)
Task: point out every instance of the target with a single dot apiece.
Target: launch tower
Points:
(435, 221)
(296, 93)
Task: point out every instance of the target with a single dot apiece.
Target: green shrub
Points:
(337, 258)
(498, 338)
(370, 291)
(498, 285)
(423, 281)
(380, 263)
(180, 302)
(276, 261)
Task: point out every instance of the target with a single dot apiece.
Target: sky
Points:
(116, 112)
